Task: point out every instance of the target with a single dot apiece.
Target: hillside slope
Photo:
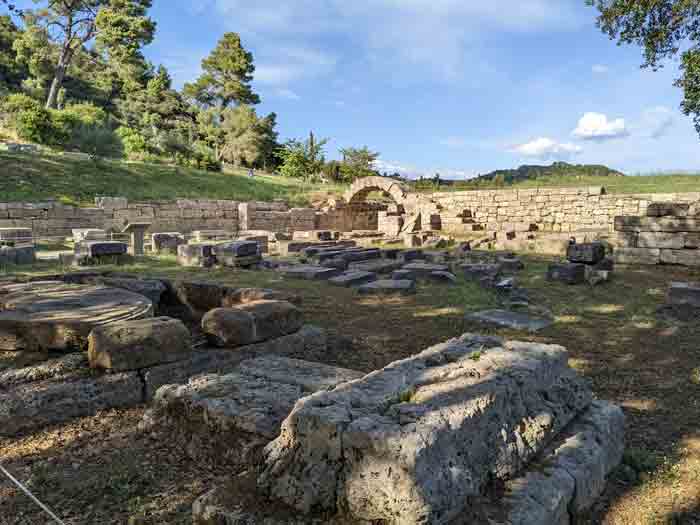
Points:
(27, 177)
(557, 169)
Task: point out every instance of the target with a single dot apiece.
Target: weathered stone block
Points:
(35, 405)
(569, 273)
(673, 241)
(16, 234)
(199, 255)
(480, 272)
(508, 319)
(684, 294)
(237, 248)
(251, 323)
(94, 251)
(231, 416)
(388, 287)
(133, 345)
(237, 296)
(681, 257)
(375, 266)
(510, 264)
(423, 270)
(199, 296)
(692, 240)
(656, 224)
(637, 255)
(167, 242)
(586, 253)
(421, 436)
(88, 234)
(310, 272)
(664, 209)
(353, 278)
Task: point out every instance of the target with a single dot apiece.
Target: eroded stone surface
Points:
(132, 345)
(423, 270)
(235, 414)
(310, 272)
(55, 315)
(353, 278)
(388, 287)
(568, 273)
(419, 437)
(64, 366)
(684, 294)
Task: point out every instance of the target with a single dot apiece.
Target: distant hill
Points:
(557, 169)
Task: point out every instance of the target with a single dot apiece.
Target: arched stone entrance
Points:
(361, 188)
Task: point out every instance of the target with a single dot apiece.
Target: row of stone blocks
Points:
(423, 440)
(668, 234)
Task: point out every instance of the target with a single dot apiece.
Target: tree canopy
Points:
(663, 28)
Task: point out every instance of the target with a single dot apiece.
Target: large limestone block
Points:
(200, 296)
(235, 414)
(665, 209)
(310, 272)
(310, 342)
(673, 241)
(657, 224)
(132, 345)
(568, 273)
(410, 443)
(566, 480)
(681, 257)
(35, 405)
(637, 255)
(237, 296)
(586, 253)
(423, 270)
(251, 323)
(196, 255)
(167, 242)
(88, 234)
(237, 249)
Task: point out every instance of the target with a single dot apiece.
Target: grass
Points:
(630, 184)
(632, 355)
(27, 177)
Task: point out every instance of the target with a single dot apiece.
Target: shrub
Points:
(135, 146)
(86, 113)
(97, 140)
(28, 118)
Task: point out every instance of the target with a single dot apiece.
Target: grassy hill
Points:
(36, 177)
(557, 169)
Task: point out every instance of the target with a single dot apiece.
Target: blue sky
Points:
(455, 86)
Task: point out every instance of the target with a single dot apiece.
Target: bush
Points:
(86, 113)
(135, 146)
(97, 140)
(28, 118)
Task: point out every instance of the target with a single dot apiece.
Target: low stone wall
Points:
(55, 219)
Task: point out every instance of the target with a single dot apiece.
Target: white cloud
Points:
(294, 63)
(600, 69)
(288, 94)
(596, 126)
(657, 121)
(547, 149)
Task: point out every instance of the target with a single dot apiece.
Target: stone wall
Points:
(55, 219)
(537, 210)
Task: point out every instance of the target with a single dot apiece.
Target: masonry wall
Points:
(54, 219)
(540, 209)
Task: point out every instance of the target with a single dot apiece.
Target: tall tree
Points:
(12, 72)
(662, 28)
(119, 28)
(226, 77)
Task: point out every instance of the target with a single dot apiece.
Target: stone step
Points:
(421, 436)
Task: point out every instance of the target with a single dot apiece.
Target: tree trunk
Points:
(60, 73)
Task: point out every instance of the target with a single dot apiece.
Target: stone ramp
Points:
(232, 416)
(426, 433)
(562, 482)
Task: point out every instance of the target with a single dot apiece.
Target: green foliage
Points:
(12, 72)
(357, 163)
(28, 118)
(135, 145)
(247, 140)
(228, 71)
(97, 140)
(662, 28)
(302, 159)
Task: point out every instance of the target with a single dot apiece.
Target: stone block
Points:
(251, 323)
(510, 264)
(67, 366)
(132, 345)
(200, 296)
(375, 266)
(388, 287)
(196, 255)
(692, 240)
(657, 224)
(237, 296)
(98, 249)
(235, 261)
(167, 242)
(421, 437)
(568, 273)
(681, 257)
(684, 294)
(442, 277)
(637, 255)
(35, 405)
(88, 234)
(480, 272)
(310, 272)
(508, 319)
(666, 209)
(423, 270)
(353, 278)
(237, 248)
(672, 241)
(16, 234)
(232, 416)
(586, 253)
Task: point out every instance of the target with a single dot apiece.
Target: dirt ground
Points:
(102, 469)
